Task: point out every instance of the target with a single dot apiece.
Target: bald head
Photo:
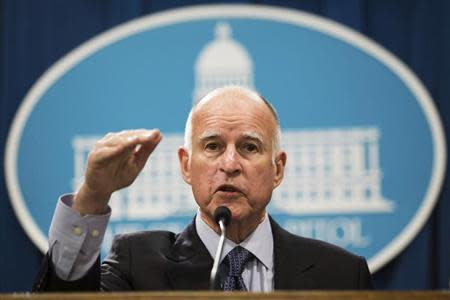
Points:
(222, 98)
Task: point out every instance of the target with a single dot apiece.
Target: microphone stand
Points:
(222, 217)
(218, 256)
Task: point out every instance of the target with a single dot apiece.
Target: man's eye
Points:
(212, 146)
(250, 147)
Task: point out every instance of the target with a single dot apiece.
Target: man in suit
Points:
(231, 157)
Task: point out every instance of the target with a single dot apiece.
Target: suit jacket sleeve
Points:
(48, 281)
(115, 269)
(365, 278)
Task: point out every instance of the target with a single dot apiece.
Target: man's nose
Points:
(230, 162)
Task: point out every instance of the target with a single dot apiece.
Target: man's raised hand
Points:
(114, 163)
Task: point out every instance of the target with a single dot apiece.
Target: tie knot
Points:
(237, 258)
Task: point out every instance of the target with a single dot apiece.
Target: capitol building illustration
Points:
(329, 171)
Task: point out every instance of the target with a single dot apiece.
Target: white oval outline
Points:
(201, 12)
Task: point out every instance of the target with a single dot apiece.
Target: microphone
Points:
(222, 216)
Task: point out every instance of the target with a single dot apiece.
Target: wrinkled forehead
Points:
(233, 106)
(241, 115)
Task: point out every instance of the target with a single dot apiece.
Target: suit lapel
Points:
(192, 262)
(291, 265)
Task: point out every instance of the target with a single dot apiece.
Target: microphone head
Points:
(222, 213)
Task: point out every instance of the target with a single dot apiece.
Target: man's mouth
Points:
(228, 189)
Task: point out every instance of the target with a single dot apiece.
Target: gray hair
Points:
(252, 95)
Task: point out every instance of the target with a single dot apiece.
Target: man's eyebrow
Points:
(253, 135)
(209, 134)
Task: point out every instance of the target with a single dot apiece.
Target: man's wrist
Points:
(87, 202)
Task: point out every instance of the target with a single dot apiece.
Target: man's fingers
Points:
(124, 143)
(144, 150)
(105, 154)
(128, 138)
(147, 137)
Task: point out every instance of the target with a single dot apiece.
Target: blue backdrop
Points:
(35, 34)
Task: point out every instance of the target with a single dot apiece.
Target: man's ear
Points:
(280, 163)
(185, 166)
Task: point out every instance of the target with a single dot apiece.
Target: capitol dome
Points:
(222, 62)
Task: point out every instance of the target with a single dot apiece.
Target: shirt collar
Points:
(259, 242)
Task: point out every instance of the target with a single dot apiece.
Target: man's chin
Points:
(239, 216)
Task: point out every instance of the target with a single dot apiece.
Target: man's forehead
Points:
(232, 100)
(229, 105)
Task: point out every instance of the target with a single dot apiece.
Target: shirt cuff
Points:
(77, 239)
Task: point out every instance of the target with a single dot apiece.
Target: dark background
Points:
(35, 34)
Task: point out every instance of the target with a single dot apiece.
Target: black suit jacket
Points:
(162, 260)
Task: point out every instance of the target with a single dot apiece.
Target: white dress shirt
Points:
(258, 273)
